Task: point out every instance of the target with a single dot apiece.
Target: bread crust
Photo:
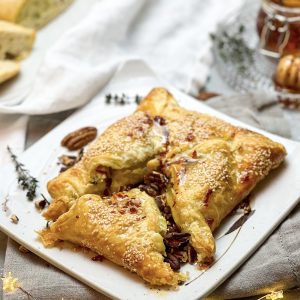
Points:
(8, 70)
(28, 14)
(10, 9)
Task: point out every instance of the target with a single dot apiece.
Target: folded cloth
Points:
(276, 265)
(172, 36)
(12, 133)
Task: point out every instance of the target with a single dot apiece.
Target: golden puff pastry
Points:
(198, 167)
(212, 166)
(67, 187)
(117, 158)
(126, 228)
(185, 128)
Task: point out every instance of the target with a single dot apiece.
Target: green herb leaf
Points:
(232, 48)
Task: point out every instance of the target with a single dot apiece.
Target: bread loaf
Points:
(15, 41)
(31, 13)
(8, 69)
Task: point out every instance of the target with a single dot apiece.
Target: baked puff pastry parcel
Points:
(195, 169)
(126, 228)
(118, 158)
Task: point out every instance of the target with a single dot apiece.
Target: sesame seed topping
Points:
(206, 162)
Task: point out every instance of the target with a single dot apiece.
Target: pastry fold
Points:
(126, 228)
(208, 167)
(212, 166)
(116, 159)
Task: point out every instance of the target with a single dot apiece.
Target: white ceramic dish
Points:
(272, 200)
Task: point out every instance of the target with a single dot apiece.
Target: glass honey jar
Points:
(278, 26)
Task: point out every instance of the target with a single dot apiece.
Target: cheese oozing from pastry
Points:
(116, 159)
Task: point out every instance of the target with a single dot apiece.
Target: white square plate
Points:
(272, 200)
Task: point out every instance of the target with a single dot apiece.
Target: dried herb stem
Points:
(25, 180)
(234, 49)
(27, 293)
(122, 100)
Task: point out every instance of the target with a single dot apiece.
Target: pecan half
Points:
(156, 179)
(173, 261)
(97, 258)
(23, 249)
(181, 255)
(67, 160)
(14, 219)
(148, 189)
(176, 239)
(79, 138)
(203, 96)
(192, 254)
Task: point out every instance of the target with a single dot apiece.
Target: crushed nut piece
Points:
(40, 204)
(97, 258)
(67, 160)
(14, 219)
(178, 249)
(203, 96)
(23, 249)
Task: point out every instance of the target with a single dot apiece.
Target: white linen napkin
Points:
(172, 36)
(275, 265)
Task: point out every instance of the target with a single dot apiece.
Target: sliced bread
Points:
(8, 69)
(31, 13)
(15, 41)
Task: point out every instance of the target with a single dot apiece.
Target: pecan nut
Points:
(173, 261)
(176, 239)
(192, 254)
(67, 160)
(79, 138)
(203, 96)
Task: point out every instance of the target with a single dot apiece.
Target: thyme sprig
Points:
(234, 49)
(25, 180)
(122, 100)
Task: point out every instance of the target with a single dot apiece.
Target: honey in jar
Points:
(278, 25)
